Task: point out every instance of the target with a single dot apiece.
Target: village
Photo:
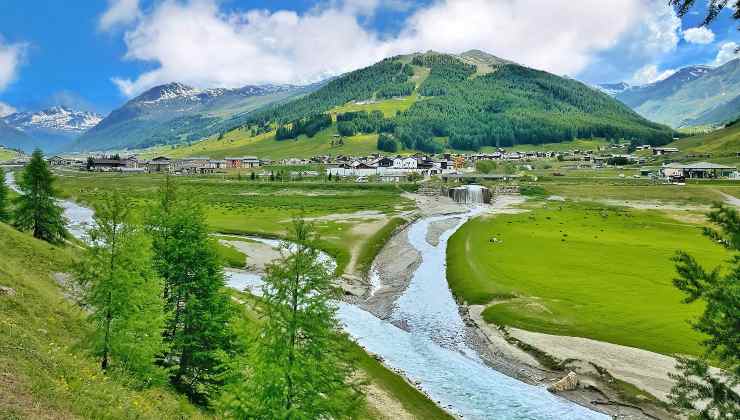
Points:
(654, 163)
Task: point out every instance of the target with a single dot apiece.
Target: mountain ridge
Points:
(694, 95)
(175, 112)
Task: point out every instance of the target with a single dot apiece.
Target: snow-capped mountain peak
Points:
(57, 118)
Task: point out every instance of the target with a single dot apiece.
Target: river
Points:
(432, 351)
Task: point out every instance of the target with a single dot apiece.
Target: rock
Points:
(6, 291)
(568, 383)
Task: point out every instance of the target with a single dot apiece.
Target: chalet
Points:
(384, 162)
(159, 164)
(659, 151)
(104, 164)
(242, 162)
(60, 161)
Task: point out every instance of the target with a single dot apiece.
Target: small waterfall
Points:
(470, 194)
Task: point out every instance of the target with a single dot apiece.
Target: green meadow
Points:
(582, 269)
(262, 207)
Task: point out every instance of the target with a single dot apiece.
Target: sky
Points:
(94, 55)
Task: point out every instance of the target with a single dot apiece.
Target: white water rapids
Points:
(432, 352)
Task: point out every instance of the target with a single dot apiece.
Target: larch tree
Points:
(199, 331)
(705, 393)
(122, 291)
(4, 212)
(35, 208)
(299, 366)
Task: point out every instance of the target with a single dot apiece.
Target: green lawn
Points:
(582, 269)
(260, 207)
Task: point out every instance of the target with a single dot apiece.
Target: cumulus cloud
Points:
(196, 43)
(6, 110)
(650, 74)
(11, 56)
(700, 35)
(119, 12)
(727, 52)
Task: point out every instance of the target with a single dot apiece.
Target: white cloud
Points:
(727, 52)
(119, 12)
(6, 109)
(196, 43)
(650, 74)
(700, 35)
(11, 56)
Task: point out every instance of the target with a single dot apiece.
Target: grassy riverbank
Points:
(582, 269)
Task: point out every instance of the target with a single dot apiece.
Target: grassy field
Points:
(45, 372)
(724, 143)
(389, 107)
(6, 154)
(582, 269)
(264, 208)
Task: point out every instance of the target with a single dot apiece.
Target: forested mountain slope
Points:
(464, 102)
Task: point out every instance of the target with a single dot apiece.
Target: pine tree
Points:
(36, 209)
(198, 330)
(122, 291)
(4, 212)
(705, 394)
(299, 367)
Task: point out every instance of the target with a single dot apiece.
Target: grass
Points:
(375, 243)
(230, 256)
(240, 143)
(7, 154)
(580, 144)
(719, 143)
(45, 370)
(260, 207)
(584, 187)
(582, 269)
(389, 107)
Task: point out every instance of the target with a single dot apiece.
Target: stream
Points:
(432, 351)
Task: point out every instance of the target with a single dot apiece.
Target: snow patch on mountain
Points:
(57, 118)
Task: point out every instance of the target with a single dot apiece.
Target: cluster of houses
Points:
(132, 163)
(399, 168)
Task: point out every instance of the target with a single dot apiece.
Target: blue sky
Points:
(94, 55)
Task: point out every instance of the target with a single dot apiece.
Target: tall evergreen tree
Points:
(36, 209)
(122, 290)
(198, 330)
(706, 394)
(299, 367)
(4, 212)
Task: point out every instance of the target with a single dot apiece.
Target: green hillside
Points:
(45, 371)
(7, 154)
(472, 100)
(723, 145)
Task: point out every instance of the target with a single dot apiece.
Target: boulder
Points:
(6, 291)
(568, 383)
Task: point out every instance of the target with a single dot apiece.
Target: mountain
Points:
(176, 113)
(463, 101)
(51, 129)
(613, 89)
(695, 95)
